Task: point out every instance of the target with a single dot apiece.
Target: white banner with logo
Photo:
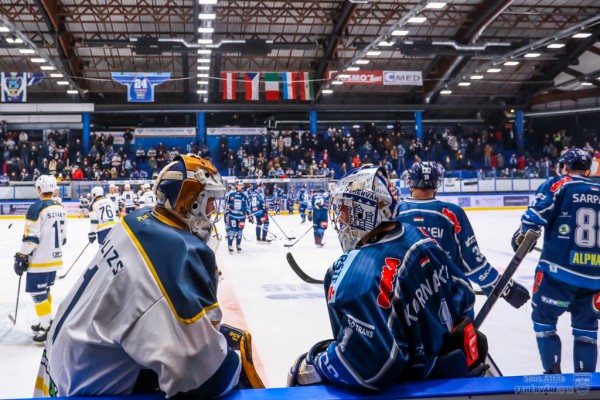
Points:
(235, 131)
(411, 78)
(165, 132)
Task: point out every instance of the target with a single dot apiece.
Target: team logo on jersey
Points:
(564, 229)
(452, 217)
(558, 184)
(596, 302)
(388, 274)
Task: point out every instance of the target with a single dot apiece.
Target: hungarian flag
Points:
(306, 86)
(289, 85)
(228, 85)
(251, 81)
(272, 85)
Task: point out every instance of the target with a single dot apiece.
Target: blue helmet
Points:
(575, 160)
(424, 175)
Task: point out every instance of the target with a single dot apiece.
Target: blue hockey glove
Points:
(303, 372)
(240, 341)
(21, 263)
(310, 216)
(517, 239)
(515, 294)
(92, 237)
(251, 218)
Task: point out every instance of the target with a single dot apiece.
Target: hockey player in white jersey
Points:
(144, 317)
(56, 194)
(113, 195)
(41, 252)
(102, 214)
(148, 198)
(129, 199)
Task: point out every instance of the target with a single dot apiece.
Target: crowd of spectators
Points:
(485, 152)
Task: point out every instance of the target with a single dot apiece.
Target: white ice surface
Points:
(285, 315)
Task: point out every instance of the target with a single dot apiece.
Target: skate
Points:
(319, 242)
(42, 335)
(239, 249)
(37, 327)
(230, 248)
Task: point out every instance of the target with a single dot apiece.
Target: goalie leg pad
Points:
(241, 341)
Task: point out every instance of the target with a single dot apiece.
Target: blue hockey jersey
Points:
(568, 208)
(257, 203)
(448, 224)
(303, 197)
(236, 204)
(390, 304)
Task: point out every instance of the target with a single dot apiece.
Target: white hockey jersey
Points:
(128, 198)
(45, 234)
(148, 199)
(103, 214)
(115, 198)
(141, 314)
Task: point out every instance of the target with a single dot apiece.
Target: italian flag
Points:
(228, 79)
(306, 86)
(272, 86)
(289, 85)
(251, 80)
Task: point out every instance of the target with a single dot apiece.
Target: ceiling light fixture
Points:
(385, 44)
(361, 62)
(202, 82)
(204, 60)
(353, 69)
(494, 70)
(343, 76)
(47, 68)
(38, 60)
(581, 35)
(202, 91)
(399, 32)
(464, 83)
(511, 63)
(204, 51)
(476, 77)
(435, 5)
(337, 83)
(4, 29)
(62, 83)
(204, 29)
(556, 46)
(207, 2)
(373, 53)
(205, 41)
(207, 16)
(446, 91)
(326, 91)
(72, 91)
(56, 75)
(532, 55)
(202, 75)
(416, 20)
(26, 51)
(203, 68)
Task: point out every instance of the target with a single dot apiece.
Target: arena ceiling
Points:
(514, 53)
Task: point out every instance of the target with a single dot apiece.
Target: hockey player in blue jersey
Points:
(260, 214)
(448, 224)
(237, 207)
(320, 207)
(567, 278)
(399, 308)
(277, 198)
(302, 199)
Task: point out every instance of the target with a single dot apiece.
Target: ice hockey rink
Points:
(259, 291)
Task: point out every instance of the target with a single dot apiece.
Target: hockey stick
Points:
(14, 319)
(301, 274)
(530, 238)
(287, 237)
(74, 262)
(297, 240)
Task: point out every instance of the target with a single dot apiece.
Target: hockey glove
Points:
(310, 216)
(303, 372)
(517, 239)
(241, 341)
(515, 294)
(21, 263)
(251, 218)
(92, 237)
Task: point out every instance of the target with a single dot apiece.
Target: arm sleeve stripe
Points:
(31, 239)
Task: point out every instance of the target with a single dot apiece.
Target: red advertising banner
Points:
(358, 77)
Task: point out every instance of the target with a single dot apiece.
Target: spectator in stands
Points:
(140, 155)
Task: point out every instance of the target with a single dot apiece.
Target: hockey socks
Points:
(549, 346)
(585, 350)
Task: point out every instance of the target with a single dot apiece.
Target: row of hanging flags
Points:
(278, 85)
(14, 85)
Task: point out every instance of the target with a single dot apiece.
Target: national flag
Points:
(306, 86)
(418, 219)
(272, 86)
(289, 85)
(251, 80)
(424, 261)
(228, 85)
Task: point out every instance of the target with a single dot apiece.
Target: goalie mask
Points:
(361, 200)
(191, 188)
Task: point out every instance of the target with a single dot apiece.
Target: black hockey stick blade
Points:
(530, 238)
(301, 274)
(12, 319)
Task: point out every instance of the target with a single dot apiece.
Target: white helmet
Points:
(97, 191)
(127, 186)
(184, 188)
(370, 199)
(145, 186)
(112, 186)
(45, 184)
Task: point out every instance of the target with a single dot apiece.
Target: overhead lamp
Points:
(343, 76)
(72, 91)
(373, 53)
(435, 5)
(581, 35)
(532, 55)
(204, 51)
(207, 2)
(511, 63)
(337, 83)
(326, 91)
(586, 83)
(56, 75)
(38, 60)
(353, 69)
(556, 45)
(476, 77)
(14, 40)
(47, 68)
(494, 70)
(361, 62)
(204, 60)
(446, 91)
(202, 91)
(399, 32)
(205, 29)
(385, 44)
(205, 41)
(4, 29)
(207, 16)
(26, 51)
(203, 68)
(464, 83)
(202, 82)
(203, 75)
(62, 83)
(416, 20)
